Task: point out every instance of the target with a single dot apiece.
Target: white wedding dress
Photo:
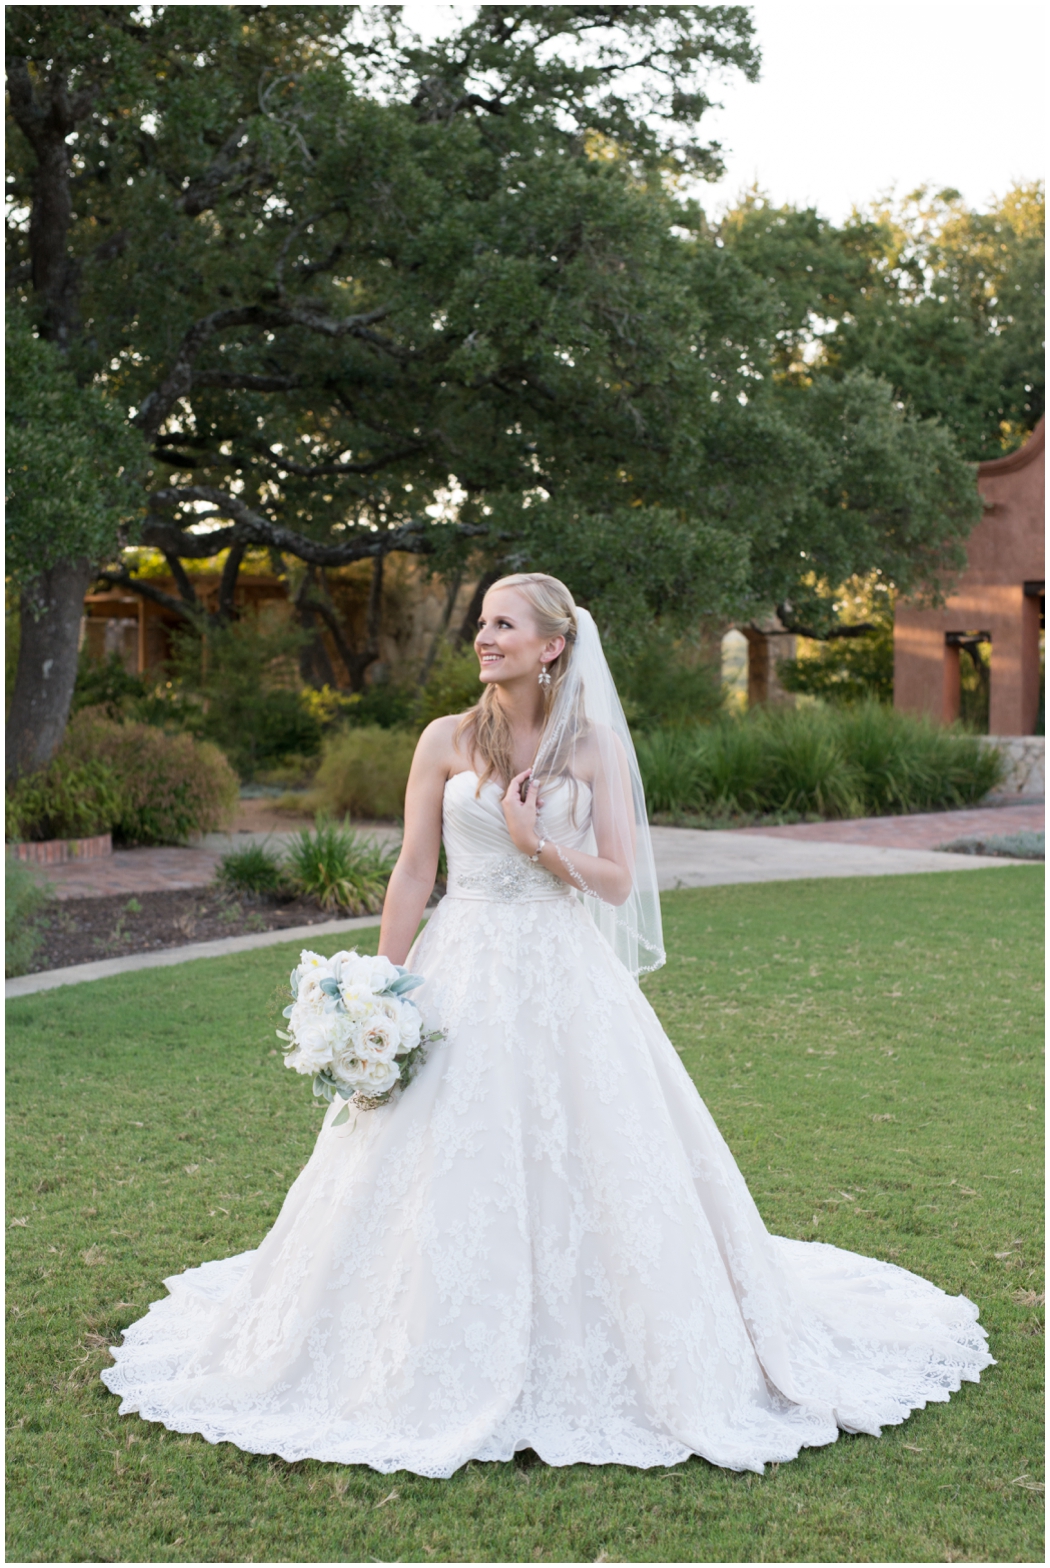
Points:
(543, 1243)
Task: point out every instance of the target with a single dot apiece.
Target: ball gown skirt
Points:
(543, 1243)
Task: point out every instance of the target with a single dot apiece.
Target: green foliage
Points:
(72, 460)
(1026, 845)
(383, 703)
(848, 669)
(171, 786)
(339, 868)
(865, 760)
(67, 799)
(802, 1010)
(944, 302)
(24, 900)
(663, 682)
(452, 686)
(253, 869)
(363, 773)
(238, 686)
(410, 262)
(107, 684)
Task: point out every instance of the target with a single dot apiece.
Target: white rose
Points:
(379, 1039)
(376, 1077)
(410, 1026)
(376, 974)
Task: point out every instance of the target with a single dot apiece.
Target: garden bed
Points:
(83, 930)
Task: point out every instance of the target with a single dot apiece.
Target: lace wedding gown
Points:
(544, 1243)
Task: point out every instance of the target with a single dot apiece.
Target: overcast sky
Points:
(855, 98)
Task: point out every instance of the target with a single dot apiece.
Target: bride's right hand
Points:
(519, 814)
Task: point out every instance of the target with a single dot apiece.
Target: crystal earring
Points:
(545, 676)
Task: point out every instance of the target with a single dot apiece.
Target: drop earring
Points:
(545, 676)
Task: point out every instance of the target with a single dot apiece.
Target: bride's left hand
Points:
(520, 815)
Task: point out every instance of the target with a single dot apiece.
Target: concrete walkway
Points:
(686, 858)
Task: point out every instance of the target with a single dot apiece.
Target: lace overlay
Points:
(545, 1243)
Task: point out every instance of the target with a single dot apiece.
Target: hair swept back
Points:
(485, 726)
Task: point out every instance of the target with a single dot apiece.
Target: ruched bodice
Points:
(482, 860)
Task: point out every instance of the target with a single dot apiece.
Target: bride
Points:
(544, 1242)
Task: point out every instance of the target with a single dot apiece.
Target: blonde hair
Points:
(485, 726)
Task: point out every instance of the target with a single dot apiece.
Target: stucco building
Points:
(997, 604)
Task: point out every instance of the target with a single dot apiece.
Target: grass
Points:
(847, 761)
(878, 1038)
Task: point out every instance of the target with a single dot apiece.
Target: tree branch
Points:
(787, 620)
(253, 528)
(158, 405)
(146, 590)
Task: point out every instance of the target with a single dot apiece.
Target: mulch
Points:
(82, 930)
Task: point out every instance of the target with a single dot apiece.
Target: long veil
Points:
(587, 741)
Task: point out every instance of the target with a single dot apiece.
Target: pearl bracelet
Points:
(539, 849)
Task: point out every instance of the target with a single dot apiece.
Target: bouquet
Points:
(352, 1027)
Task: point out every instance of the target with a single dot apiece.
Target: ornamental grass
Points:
(866, 760)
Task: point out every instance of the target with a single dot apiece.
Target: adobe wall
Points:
(1005, 552)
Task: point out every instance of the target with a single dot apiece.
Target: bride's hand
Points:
(520, 815)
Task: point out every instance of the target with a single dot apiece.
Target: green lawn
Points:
(875, 1038)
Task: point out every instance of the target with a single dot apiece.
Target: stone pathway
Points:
(129, 871)
(686, 857)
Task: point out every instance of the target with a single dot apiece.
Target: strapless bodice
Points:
(482, 860)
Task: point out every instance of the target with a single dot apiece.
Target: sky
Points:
(857, 99)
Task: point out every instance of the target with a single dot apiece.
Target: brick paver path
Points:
(924, 830)
(130, 871)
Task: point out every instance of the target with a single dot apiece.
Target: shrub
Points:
(362, 773)
(107, 683)
(833, 762)
(664, 683)
(24, 898)
(339, 868)
(171, 786)
(253, 869)
(670, 763)
(67, 799)
(238, 686)
(453, 685)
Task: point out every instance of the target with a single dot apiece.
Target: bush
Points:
(107, 683)
(863, 760)
(362, 773)
(24, 898)
(453, 685)
(339, 868)
(238, 686)
(67, 799)
(171, 786)
(253, 869)
(663, 683)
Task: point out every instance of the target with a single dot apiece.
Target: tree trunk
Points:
(51, 607)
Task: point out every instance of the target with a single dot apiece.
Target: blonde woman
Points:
(544, 1243)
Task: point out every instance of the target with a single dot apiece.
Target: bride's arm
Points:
(412, 880)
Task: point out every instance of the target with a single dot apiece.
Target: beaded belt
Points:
(512, 880)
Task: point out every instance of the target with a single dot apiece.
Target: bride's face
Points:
(509, 645)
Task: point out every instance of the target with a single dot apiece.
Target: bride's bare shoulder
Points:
(437, 747)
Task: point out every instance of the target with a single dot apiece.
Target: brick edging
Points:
(55, 851)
